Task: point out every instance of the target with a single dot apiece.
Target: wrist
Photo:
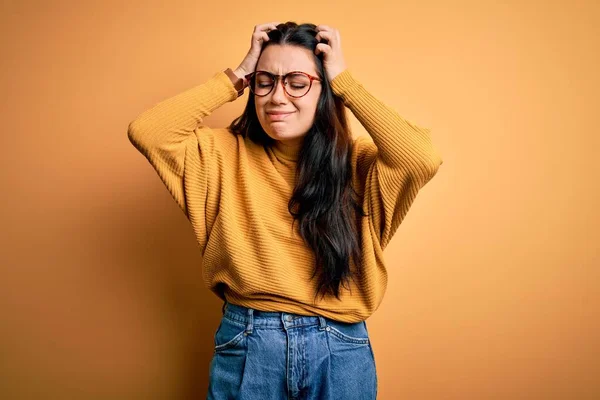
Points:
(239, 82)
(240, 73)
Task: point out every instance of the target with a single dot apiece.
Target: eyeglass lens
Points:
(295, 84)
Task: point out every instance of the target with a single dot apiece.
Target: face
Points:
(288, 129)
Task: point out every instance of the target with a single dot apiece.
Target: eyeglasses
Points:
(295, 83)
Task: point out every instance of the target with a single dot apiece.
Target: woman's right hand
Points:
(259, 36)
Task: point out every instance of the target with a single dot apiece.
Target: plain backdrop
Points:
(493, 274)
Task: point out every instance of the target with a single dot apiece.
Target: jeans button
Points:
(288, 318)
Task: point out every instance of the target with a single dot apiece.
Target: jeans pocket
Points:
(353, 333)
(229, 334)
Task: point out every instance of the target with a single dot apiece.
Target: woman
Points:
(291, 213)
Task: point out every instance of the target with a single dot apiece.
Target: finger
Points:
(331, 38)
(322, 48)
(324, 35)
(273, 25)
(260, 37)
(268, 25)
(333, 33)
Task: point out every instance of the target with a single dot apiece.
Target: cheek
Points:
(310, 105)
(314, 99)
(260, 108)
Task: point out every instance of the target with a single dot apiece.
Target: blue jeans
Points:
(261, 355)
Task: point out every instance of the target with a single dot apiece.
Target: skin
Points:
(289, 133)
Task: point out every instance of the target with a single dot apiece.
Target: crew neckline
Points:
(287, 153)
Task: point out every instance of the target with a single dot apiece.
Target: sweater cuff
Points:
(224, 82)
(343, 83)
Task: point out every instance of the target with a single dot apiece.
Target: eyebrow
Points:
(293, 70)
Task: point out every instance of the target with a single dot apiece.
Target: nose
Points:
(278, 95)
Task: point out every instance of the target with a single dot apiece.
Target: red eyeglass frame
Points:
(281, 78)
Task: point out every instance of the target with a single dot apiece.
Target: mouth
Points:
(278, 116)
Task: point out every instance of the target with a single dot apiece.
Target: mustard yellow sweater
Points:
(235, 194)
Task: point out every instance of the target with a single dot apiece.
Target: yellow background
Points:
(493, 275)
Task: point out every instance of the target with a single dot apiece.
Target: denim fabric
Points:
(262, 355)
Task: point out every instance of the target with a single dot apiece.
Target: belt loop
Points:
(322, 323)
(223, 307)
(250, 320)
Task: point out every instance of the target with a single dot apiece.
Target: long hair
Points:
(323, 201)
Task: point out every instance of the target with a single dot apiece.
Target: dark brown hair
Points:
(324, 201)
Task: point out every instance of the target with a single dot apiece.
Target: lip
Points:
(278, 115)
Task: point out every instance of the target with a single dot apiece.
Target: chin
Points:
(279, 136)
(277, 131)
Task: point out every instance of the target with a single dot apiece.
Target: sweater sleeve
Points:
(180, 148)
(394, 164)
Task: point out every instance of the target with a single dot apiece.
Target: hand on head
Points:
(330, 47)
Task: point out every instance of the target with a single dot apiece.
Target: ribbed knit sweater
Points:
(235, 193)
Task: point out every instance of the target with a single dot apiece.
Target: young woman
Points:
(291, 212)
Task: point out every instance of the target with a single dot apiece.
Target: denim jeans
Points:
(261, 355)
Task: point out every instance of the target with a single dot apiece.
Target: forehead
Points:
(279, 59)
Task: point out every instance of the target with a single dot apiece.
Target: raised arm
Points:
(171, 135)
(392, 166)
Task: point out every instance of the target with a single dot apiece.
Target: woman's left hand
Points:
(333, 59)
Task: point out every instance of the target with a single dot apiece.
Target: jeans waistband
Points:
(251, 317)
